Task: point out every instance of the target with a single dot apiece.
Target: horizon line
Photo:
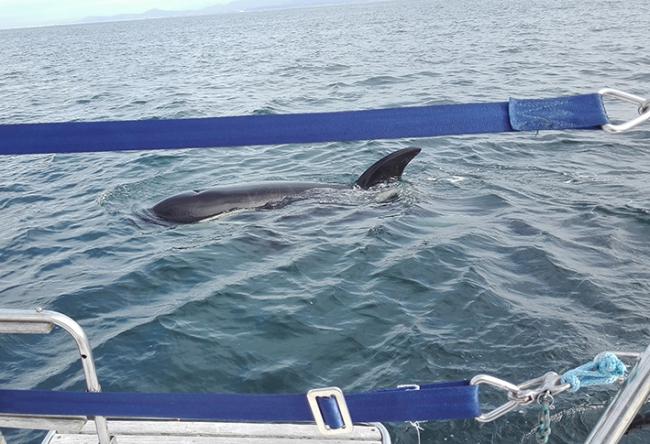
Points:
(189, 13)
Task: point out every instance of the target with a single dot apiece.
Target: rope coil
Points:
(606, 368)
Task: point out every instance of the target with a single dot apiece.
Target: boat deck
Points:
(174, 432)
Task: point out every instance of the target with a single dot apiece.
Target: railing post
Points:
(625, 406)
(41, 321)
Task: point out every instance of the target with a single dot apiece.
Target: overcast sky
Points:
(19, 13)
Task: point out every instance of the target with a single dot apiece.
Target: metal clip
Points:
(519, 395)
(408, 387)
(550, 383)
(337, 394)
(501, 385)
(645, 107)
(642, 103)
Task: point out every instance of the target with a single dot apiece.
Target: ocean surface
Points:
(511, 255)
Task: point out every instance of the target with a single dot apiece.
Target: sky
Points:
(23, 13)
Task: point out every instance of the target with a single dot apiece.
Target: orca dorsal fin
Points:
(390, 167)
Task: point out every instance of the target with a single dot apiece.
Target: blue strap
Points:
(455, 400)
(576, 112)
(606, 368)
(571, 112)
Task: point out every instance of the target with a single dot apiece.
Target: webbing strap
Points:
(570, 112)
(454, 400)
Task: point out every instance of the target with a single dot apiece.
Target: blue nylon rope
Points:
(570, 112)
(455, 400)
(606, 368)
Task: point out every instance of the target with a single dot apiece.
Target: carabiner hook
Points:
(500, 384)
(519, 395)
(642, 103)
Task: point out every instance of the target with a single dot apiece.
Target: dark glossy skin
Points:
(193, 207)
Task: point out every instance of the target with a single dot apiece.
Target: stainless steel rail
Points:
(612, 426)
(42, 322)
(625, 406)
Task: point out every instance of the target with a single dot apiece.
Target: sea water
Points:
(511, 255)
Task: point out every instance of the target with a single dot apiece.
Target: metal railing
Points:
(42, 322)
(610, 429)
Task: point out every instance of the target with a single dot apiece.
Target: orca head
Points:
(177, 208)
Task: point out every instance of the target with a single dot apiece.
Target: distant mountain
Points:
(232, 7)
(259, 5)
(152, 13)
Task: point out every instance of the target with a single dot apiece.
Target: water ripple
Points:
(508, 254)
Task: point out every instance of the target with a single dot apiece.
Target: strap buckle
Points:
(642, 103)
(337, 394)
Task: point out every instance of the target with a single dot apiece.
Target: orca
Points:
(195, 206)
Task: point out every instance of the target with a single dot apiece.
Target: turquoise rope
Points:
(606, 368)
